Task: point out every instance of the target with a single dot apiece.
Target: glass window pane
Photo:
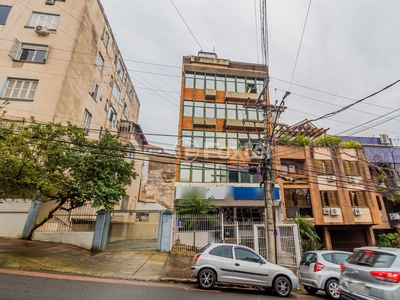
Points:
(240, 85)
(197, 175)
(199, 81)
(186, 132)
(220, 83)
(187, 142)
(233, 176)
(209, 173)
(198, 133)
(198, 142)
(210, 112)
(252, 114)
(184, 175)
(232, 144)
(241, 113)
(209, 143)
(221, 113)
(245, 177)
(230, 84)
(199, 112)
(189, 80)
(188, 110)
(231, 114)
(210, 81)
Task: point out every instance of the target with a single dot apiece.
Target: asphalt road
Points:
(19, 285)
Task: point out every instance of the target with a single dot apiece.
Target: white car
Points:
(240, 265)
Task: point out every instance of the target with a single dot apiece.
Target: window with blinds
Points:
(324, 167)
(329, 198)
(351, 168)
(358, 199)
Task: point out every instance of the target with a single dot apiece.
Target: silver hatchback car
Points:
(240, 265)
(320, 270)
(371, 273)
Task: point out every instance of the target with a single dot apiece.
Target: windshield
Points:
(372, 259)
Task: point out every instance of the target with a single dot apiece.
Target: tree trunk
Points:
(48, 217)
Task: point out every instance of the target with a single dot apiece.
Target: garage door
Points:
(347, 240)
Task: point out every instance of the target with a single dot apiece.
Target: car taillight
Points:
(368, 252)
(196, 258)
(386, 276)
(318, 267)
(342, 266)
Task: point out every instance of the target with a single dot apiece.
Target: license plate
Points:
(357, 287)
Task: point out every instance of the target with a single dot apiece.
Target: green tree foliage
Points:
(328, 141)
(299, 141)
(195, 205)
(309, 237)
(388, 240)
(51, 162)
(351, 144)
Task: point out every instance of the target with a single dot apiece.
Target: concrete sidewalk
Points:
(61, 258)
(67, 259)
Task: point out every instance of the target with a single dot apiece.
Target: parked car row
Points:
(368, 273)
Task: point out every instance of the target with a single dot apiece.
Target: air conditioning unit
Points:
(384, 139)
(326, 211)
(394, 216)
(357, 211)
(335, 211)
(50, 2)
(351, 179)
(331, 178)
(42, 30)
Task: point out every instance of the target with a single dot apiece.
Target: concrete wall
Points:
(80, 239)
(13, 215)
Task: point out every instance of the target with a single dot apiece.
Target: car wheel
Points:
(282, 286)
(310, 290)
(206, 279)
(332, 289)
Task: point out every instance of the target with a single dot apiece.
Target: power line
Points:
(186, 25)
(301, 41)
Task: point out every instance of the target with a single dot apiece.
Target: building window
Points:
(329, 198)
(105, 38)
(358, 199)
(125, 202)
(44, 19)
(95, 91)
(28, 52)
(112, 116)
(324, 167)
(248, 215)
(86, 120)
(120, 70)
(4, 11)
(351, 168)
(111, 80)
(100, 62)
(116, 92)
(126, 111)
(297, 202)
(20, 88)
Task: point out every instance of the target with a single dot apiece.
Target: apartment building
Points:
(60, 62)
(333, 187)
(383, 157)
(216, 132)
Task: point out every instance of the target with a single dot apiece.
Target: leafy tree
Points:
(388, 240)
(195, 205)
(51, 162)
(351, 144)
(309, 237)
(328, 141)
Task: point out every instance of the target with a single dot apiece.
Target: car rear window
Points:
(371, 258)
(223, 251)
(204, 248)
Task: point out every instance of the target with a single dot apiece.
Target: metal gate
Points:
(133, 230)
(193, 232)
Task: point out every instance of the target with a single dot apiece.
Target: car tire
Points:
(332, 289)
(206, 279)
(310, 290)
(282, 286)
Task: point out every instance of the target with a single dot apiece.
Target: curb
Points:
(178, 280)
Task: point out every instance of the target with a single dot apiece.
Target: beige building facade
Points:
(60, 62)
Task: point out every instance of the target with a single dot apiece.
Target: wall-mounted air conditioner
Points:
(42, 30)
(384, 138)
(326, 211)
(50, 2)
(335, 211)
(331, 178)
(351, 179)
(357, 211)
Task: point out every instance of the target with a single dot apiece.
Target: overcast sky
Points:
(349, 50)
